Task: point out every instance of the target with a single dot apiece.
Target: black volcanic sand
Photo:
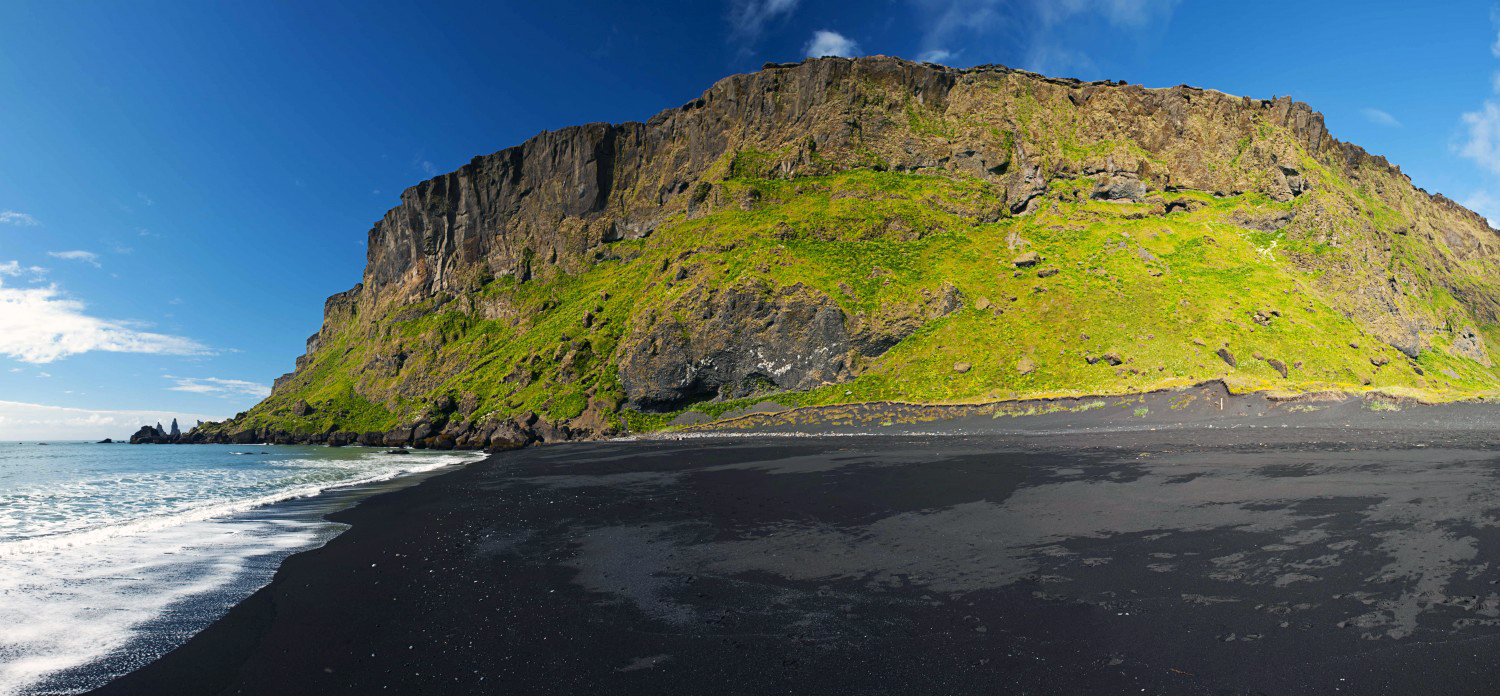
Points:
(1269, 560)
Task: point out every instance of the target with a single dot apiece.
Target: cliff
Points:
(875, 229)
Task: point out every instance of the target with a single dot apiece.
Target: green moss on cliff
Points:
(1128, 296)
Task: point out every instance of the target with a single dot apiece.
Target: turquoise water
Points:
(110, 555)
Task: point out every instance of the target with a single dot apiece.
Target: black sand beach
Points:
(1178, 560)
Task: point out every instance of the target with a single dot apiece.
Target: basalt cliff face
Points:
(875, 229)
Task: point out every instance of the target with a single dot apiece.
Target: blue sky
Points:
(182, 183)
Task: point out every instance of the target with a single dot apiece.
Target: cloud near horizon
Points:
(39, 325)
(25, 421)
(831, 43)
(226, 388)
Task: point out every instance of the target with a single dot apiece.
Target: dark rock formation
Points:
(741, 340)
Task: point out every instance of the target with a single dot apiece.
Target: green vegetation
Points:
(1160, 292)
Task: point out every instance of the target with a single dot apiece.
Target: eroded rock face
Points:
(557, 204)
(735, 342)
(1467, 342)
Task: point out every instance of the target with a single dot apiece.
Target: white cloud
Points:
(11, 217)
(227, 388)
(88, 257)
(39, 325)
(747, 18)
(831, 43)
(936, 55)
(145, 198)
(427, 168)
(23, 421)
(1482, 144)
(14, 268)
(1379, 118)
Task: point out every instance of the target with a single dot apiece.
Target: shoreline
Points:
(170, 556)
(1172, 406)
(208, 660)
(529, 571)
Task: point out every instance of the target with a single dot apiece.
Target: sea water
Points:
(112, 555)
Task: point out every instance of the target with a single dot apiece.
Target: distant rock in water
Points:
(105, 441)
(158, 435)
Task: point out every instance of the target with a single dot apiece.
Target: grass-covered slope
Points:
(1307, 275)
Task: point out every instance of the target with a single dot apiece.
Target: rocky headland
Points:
(876, 230)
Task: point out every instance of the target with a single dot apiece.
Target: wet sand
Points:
(1188, 560)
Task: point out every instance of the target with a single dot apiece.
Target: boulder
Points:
(1277, 365)
(145, 434)
(1027, 260)
(1025, 365)
(1227, 356)
(397, 437)
(1121, 186)
(1110, 358)
(962, 367)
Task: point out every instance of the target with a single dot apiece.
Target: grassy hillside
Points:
(1161, 291)
(1160, 287)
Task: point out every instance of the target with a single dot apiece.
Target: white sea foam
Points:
(88, 561)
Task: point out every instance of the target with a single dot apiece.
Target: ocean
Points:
(112, 555)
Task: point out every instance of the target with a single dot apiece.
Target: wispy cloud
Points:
(14, 268)
(831, 43)
(1482, 141)
(88, 257)
(1119, 13)
(40, 325)
(1484, 204)
(748, 18)
(24, 421)
(937, 55)
(427, 168)
(11, 217)
(1036, 25)
(1379, 118)
(227, 388)
(144, 198)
